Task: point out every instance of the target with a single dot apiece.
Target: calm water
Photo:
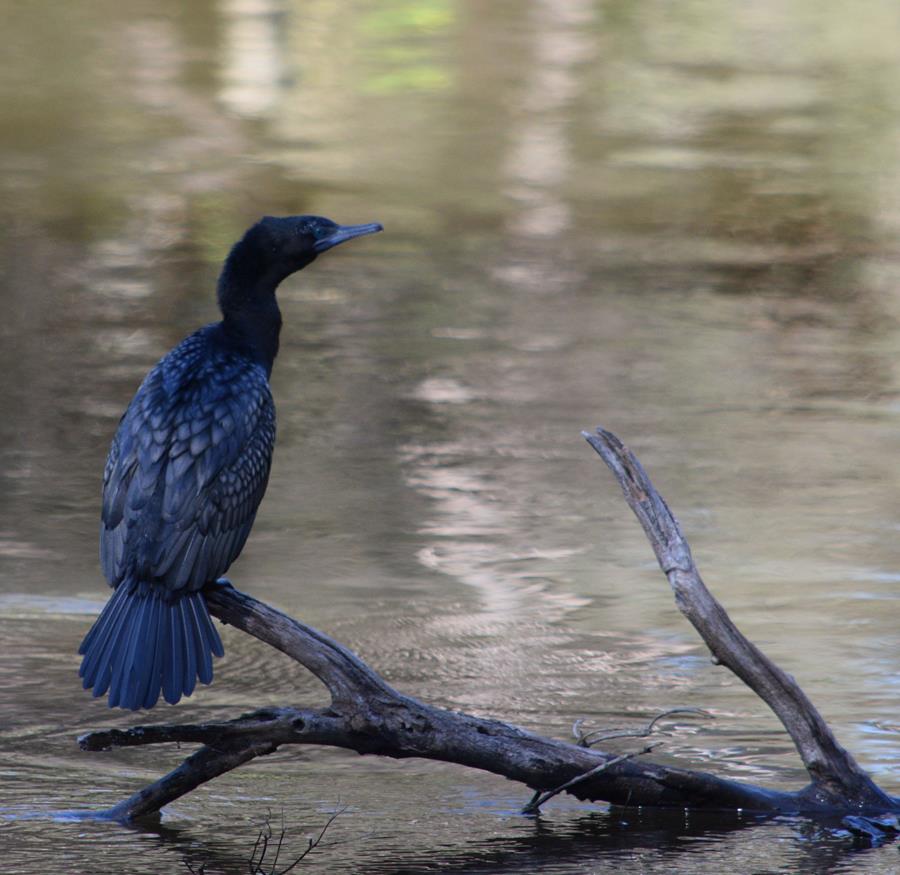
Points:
(681, 221)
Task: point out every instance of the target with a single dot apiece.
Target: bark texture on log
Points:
(368, 716)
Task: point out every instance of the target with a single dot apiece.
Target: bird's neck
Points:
(256, 332)
(251, 318)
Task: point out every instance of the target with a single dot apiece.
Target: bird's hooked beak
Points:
(344, 233)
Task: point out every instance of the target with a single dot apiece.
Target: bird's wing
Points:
(186, 473)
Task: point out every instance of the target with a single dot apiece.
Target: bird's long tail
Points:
(142, 644)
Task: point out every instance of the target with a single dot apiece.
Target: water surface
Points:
(681, 223)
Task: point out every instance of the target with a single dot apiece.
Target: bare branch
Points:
(401, 726)
(313, 843)
(589, 739)
(834, 772)
(368, 716)
(540, 798)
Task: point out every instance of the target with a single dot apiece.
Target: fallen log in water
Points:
(368, 716)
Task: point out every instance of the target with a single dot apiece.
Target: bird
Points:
(186, 471)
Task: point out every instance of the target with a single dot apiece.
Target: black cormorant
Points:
(186, 471)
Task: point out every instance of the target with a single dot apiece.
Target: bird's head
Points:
(273, 249)
(289, 243)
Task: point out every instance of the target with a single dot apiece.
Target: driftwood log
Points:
(368, 716)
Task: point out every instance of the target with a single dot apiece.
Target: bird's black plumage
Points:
(186, 471)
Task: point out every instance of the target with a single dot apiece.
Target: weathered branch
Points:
(404, 727)
(836, 776)
(368, 716)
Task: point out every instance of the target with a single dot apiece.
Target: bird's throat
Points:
(246, 293)
(256, 328)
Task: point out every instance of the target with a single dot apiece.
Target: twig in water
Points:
(533, 807)
(256, 864)
(588, 739)
(262, 845)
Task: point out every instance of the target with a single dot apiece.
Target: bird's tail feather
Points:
(142, 644)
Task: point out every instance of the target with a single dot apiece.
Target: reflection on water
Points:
(678, 222)
(253, 56)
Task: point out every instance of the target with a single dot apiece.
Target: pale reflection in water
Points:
(539, 162)
(473, 521)
(253, 65)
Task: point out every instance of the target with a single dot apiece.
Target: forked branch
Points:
(368, 716)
